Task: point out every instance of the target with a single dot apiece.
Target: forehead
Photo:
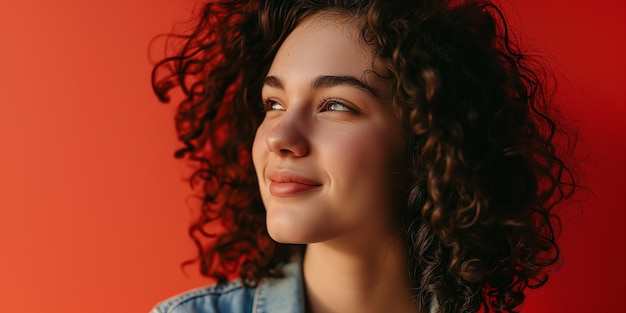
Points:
(323, 44)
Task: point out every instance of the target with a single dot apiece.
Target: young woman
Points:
(365, 156)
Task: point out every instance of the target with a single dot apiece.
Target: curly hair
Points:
(486, 156)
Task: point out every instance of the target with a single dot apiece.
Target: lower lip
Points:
(289, 188)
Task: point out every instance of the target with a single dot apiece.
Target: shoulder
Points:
(231, 297)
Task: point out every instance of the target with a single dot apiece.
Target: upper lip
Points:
(283, 176)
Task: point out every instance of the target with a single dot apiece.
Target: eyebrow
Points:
(326, 81)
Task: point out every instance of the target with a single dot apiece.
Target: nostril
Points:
(287, 137)
(288, 145)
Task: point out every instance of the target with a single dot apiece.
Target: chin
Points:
(292, 234)
(282, 235)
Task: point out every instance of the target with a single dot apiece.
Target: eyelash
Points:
(330, 101)
(268, 103)
(324, 106)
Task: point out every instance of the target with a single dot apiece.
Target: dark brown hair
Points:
(485, 172)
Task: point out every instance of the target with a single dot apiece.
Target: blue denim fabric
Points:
(281, 295)
(276, 295)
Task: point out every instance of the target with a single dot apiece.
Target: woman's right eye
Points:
(271, 105)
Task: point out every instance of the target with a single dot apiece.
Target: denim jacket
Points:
(275, 295)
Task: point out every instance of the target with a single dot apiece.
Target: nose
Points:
(288, 137)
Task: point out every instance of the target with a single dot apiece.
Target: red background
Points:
(92, 204)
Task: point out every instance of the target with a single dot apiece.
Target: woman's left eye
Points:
(335, 105)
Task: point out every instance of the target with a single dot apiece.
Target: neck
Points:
(366, 277)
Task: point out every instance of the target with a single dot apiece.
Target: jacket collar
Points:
(281, 295)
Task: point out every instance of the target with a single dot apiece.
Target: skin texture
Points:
(324, 157)
(324, 154)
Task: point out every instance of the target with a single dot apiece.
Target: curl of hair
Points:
(219, 70)
(485, 149)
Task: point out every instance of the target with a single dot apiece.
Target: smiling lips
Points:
(284, 184)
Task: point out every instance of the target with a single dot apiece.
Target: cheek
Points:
(258, 152)
(360, 169)
(365, 152)
(350, 154)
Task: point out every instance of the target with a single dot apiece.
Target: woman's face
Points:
(325, 153)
